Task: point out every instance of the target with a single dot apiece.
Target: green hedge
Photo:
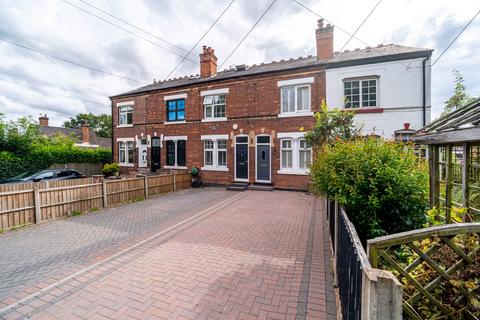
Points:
(382, 185)
(44, 156)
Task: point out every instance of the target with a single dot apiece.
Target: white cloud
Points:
(286, 31)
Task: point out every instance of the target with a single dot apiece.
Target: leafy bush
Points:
(382, 185)
(110, 169)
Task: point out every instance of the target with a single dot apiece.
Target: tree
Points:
(101, 124)
(460, 96)
(331, 126)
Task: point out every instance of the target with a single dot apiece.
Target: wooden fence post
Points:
(145, 182)
(104, 193)
(36, 200)
(174, 182)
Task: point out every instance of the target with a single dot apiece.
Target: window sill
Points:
(294, 172)
(175, 167)
(214, 119)
(296, 114)
(125, 126)
(175, 122)
(126, 164)
(365, 110)
(224, 169)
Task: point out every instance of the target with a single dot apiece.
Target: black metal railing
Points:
(350, 261)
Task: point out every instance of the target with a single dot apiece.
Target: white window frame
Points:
(121, 105)
(212, 117)
(215, 166)
(360, 80)
(125, 141)
(295, 137)
(296, 84)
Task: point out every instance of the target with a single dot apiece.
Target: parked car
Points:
(50, 174)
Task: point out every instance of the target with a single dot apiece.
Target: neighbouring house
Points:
(247, 123)
(85, 137)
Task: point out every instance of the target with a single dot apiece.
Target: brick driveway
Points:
(198, 254)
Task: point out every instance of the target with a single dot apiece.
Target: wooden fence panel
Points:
(125, 190)
(59, 202)
(57, 199)
(160, 184)
(16, 208)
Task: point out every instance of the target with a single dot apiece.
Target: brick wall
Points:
(253, 104)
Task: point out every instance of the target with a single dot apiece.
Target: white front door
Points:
(142, 153)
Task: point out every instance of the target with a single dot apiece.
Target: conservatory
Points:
(454, 160)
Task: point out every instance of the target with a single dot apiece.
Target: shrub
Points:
(110, 169)
(382, 185)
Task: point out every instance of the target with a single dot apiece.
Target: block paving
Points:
(255, 255)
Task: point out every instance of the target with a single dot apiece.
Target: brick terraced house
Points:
(244, 124)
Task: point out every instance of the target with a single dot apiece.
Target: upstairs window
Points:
(360, 93)
(295, 99)
(176, 110)
(125, 115)
(214, 106)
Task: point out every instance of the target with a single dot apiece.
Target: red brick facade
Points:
(252, 104)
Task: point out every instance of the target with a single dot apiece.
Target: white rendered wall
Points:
(399, 93)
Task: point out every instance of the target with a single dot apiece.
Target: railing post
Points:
(145, 182)
(174, 182)
(37, 204)
(104, 193)
(335, 278)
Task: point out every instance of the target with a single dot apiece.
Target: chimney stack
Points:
(85, 133)
(324, 36)
(208, 62)
(43, 121)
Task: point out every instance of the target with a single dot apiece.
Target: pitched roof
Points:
(77, 133)
(459, 126)
(381, 53)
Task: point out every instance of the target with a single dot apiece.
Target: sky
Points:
(33, 84)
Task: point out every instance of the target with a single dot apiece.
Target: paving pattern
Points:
(254, 255)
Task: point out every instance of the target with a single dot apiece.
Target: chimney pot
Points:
(406, 125)
(324, 37)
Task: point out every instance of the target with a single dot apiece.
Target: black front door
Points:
(155, 150)
(241, 165)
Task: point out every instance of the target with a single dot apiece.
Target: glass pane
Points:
(222, 158)
(355, 84)
(348, 85)
(170, 153)
(303, 98)
(208, 158)
(291, 100)
(181, 104)
(181, 115)
(219, 111)
(219, 99)
(286, 159)
(129, 118)
(207, 99)
(286, 144)
(122, 155)
(208, 111)
(208, 144)
(222, 144)
(171, 105)
(263, 139)
(172, 116)
(181, 152)
(284, 100)
(304, 159)
(242, 139)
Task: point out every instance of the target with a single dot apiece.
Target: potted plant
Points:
(111, 169)
(196, 182)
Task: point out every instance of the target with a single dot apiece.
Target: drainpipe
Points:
(424, 98)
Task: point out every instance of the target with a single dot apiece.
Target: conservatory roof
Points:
(462, 125)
